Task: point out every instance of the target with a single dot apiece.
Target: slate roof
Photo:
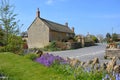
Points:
(55, 26)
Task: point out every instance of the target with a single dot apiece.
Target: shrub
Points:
(31, 56)
(15, 45)
(51, 47)
(65, 69)
(2, 49)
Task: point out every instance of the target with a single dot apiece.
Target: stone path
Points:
(84, 54)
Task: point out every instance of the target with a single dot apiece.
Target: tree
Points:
(108, 37)
(8, 20)
(1, 37)
(114, 37)
(24, 34)
(13, 42)
(92, 37)
(100, 37)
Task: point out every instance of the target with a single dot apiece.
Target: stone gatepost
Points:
(78, 39)
(83, 41)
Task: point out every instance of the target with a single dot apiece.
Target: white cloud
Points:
(49, 2)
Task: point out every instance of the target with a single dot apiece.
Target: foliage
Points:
(78, 73)
(31, 56)
(8, 19)
(88, 39)
(94, 38)
(65, 69)
(91, 38)
(27, 68)
(1, 37)
(24, 34)
(114, 37)
(100, 37)
(12, 42)
(15, 45)
(108, 37)
(19, 68)
(51, 47)
(49, 59)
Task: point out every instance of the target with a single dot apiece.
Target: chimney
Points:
(73, 29)
(38, 13)
(66, 24)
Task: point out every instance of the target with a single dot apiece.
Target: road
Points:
(84, 54)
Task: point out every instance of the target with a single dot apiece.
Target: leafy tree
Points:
(8, 20)
(114, 37)
(94, 38)
(108, 37)
(100, 37)
(13, 43)
(24, 34)
(1, 36)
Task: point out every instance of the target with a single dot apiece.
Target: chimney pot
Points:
(66, 24)
(73, 29)
(38, 13)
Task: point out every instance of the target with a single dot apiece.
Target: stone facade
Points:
(43, 31)
(38, 35)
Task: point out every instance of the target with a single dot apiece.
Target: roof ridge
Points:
(53, 22)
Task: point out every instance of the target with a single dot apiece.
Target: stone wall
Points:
(109, 53)
(38, 34)
(73, 45)
(87, 44)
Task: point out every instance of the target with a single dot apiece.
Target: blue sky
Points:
(93, 16)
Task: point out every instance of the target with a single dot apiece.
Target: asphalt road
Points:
(84, 54)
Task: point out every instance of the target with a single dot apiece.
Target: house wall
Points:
(38, 34)
(58, 36)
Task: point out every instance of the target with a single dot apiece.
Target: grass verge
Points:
(17, 67)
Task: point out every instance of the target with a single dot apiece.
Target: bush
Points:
(31, 56)
(2, 49)
(65, 69)
(78, 73)
(15, 45)
(51, 47)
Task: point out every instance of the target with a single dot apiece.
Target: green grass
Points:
(19, 68)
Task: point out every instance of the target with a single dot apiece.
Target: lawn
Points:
(19, 68)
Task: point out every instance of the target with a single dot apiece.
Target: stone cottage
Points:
(43, 31)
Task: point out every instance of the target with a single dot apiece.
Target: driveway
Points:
(84, 54)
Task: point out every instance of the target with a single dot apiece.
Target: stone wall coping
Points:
(113, 49)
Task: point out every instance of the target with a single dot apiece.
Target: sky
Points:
(86, 16)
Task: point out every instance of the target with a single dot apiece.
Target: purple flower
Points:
(117, 76)
(49, 59)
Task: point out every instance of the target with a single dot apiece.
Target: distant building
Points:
(118, 36)
(43, 31)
